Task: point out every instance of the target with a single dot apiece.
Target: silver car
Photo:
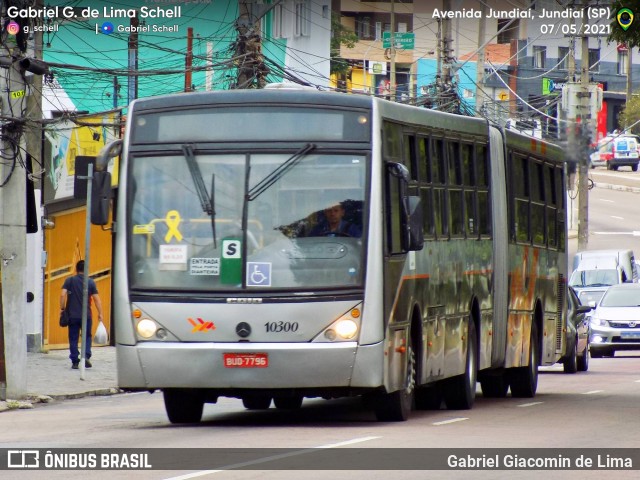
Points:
(615, 323)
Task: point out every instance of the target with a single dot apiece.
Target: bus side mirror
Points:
(100, 198)
(415, 238)
(101, 185)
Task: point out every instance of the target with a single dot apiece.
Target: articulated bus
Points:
(280, 244)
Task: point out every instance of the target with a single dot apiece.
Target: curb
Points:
(621, 188)
(31, 400)
(101, 392)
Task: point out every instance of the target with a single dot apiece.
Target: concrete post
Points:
(13, 233)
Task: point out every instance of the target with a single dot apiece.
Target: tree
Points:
(631, 115)
(340, 35)
(630, 36)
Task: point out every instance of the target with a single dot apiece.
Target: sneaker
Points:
(87, 364)
(75, 365)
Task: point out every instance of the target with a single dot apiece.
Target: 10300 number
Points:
(278, 327)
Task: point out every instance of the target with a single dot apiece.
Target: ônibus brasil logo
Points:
(107, 28)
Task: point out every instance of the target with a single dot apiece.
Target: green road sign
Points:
(403, 41)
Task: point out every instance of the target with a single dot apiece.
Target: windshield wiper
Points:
(279, 172)
(206, 201)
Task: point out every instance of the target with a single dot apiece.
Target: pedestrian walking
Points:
(71, 298)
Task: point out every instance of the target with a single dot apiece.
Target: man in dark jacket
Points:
(71, 298)
(334, 225)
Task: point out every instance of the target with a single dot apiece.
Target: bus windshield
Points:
(220, 222)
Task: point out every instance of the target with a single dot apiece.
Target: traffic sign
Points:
(403, 41)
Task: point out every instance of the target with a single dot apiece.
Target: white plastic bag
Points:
(101, 336)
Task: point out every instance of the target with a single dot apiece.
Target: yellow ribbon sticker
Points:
(173, 221)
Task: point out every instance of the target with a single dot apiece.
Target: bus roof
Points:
(264, 96)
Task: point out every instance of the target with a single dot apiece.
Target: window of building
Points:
(303, 18)
(364, 27)
(277, 26)
(539, 56)
(622, 62)
(563, 58)
(594, 59)
(508, 30)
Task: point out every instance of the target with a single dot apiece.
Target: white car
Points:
(616, 151)
(615, 323)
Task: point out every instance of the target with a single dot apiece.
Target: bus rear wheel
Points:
(183, 405)
(524, 380)
(256, 403)
(396, 406)
(460, 391)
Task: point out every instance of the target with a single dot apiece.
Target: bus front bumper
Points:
(156, 365)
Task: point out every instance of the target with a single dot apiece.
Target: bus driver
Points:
(334, 225)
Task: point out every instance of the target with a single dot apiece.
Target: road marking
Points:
(226, 468)
(617, 218)
(605, 200)
(635, 233)
(637, 381)
(453, 420)
(530, 404)
(592, 392)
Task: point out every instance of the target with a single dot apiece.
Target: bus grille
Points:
(559, 312)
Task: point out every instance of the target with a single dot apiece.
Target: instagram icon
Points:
(13, 28)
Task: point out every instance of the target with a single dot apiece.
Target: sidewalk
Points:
(50, 377)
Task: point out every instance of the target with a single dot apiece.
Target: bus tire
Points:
(396, 406)
(288, 403)
(583, 361)
(256, 403)
(494, 386)
(570, 363)
(460, 391)
(524, 380)
(183, 405)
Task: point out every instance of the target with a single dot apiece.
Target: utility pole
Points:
(15, 105)
(480, 61)
(116, 89)
(132, 82)
(252, 71)
(446, 47)
(392, 51)
(208, 74)
(629, 77)
(13, 235)
(242, 26)
(188, 71)
(585, 130)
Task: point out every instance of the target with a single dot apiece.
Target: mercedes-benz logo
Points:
(243, 329)
(632, 324)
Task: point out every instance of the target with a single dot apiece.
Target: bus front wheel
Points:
(396, 406)
(183, 405)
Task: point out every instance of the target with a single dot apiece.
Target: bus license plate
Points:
(246, 360)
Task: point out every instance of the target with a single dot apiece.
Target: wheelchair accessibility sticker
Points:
(258, 274)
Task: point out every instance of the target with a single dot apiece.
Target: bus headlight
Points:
(146, 328)
(346, 328)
